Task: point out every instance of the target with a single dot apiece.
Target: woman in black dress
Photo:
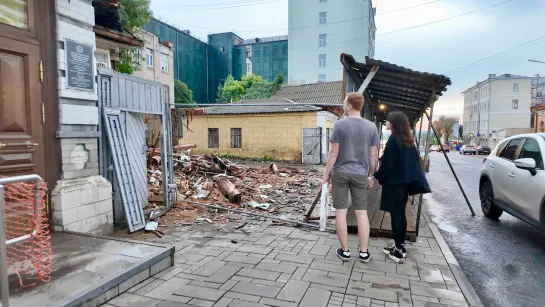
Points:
(399, 168)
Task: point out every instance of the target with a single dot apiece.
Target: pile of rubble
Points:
(208, 179)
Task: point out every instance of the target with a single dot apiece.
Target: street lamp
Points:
(536, 61)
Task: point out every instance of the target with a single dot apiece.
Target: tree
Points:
(461, 131)
(277, 82)
(261, 90)
(248, 80)
(128, 62)
(231, 90)
(445, 124)
(134, 13)
(182, 93)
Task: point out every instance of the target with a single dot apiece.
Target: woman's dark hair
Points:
(401, 128)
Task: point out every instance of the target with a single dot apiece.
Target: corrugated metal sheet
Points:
(136, 146)
(124, 171)
(124, 100)
(314, 93)
(242, 109)
(132, 94)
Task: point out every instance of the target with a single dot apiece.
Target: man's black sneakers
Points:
(388, 250)
(343, 255)
(365, 256)
(397, 256)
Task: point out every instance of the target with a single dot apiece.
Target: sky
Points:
(438, 47)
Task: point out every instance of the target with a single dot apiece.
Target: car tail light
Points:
(484, 160)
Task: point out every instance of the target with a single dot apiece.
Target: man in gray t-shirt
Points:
(352, 157)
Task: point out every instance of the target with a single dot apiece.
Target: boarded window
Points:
(236, 138)
(213, 138)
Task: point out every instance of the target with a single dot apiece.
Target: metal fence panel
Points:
(312, 145)
(124, 170)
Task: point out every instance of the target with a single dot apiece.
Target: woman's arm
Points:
(389, 159)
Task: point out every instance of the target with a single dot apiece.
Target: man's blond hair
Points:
(356, 100)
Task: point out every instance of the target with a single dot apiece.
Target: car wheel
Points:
(486, 194)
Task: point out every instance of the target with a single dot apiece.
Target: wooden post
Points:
(426, 155)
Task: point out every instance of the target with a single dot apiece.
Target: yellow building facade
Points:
(276, 135)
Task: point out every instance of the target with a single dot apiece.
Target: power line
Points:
(499, 55)
(448, 18)
(312, 26)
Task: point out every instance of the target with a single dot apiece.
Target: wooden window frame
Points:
(213, 139)
(235, 136)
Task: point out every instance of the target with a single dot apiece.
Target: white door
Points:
(527, 190)
(501, 168)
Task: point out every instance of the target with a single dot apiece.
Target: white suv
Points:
(470, 149)
(513, 179)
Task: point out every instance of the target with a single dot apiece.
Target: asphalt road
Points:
(505, 259)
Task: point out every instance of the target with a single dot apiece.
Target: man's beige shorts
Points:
(343, 183)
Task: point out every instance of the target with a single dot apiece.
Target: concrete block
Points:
(161, 265)
(103, 298)
(293, 291)
(133, 281)
(71, 114)
(257, 290)
(103, 231)
(315, 298)
(71, 193)
(80, 173)
(200, 292)
(92, 223)
(72, 167)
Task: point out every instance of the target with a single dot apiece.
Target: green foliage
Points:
(445, 124)
(249, 87)
(259, 91)
(248, 80)
(461, 131)
(232, 90)
(182, 93)
(134, 13)
(128, 63)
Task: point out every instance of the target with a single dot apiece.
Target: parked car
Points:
(483, 150)
(468, 149)
(513, 179)
(434, 148)
(445, 147)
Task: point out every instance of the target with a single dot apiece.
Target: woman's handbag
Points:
(420, 185)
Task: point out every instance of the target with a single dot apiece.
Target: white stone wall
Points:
(81, 200)
(83, 204)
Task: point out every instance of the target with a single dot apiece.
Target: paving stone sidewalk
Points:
(287, 266)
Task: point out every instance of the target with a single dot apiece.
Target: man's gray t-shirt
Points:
(355, 137)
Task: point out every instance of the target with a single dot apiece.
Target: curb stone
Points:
(464, 283)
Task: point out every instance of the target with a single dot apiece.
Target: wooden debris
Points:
(229, 190)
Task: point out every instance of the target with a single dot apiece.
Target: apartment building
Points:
(320, 30)
(497, 103)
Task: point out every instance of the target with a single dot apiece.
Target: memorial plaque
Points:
(79, 66)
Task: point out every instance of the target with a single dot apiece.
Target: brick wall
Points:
(271, 135)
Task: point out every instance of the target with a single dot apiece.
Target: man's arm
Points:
(373, 160)
(331, 159)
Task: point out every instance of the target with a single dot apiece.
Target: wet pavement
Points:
(504, 260)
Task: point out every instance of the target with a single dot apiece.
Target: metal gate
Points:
(312, 145)
(123, 102)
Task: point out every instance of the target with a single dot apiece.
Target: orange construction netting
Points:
(25, 214)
